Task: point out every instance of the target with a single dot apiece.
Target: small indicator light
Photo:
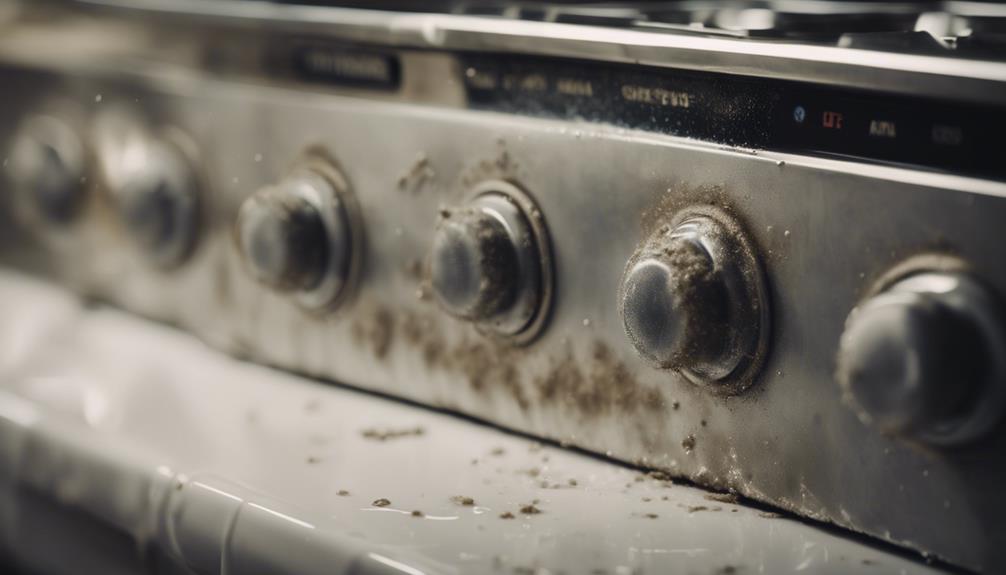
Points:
(799, 114)
(832, 120)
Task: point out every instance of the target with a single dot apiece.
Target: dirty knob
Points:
(693, 301)
(490, 262)
(473, 264)
(158, 200)
(283, 239)
(925, 358)
(48, 170)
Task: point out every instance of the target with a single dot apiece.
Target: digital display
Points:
(746, 112)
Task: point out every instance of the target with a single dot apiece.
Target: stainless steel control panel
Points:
(675, 304)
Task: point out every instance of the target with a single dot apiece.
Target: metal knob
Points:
(490, 262)
(474, 264)
(926, 358)
(296, 236)
(158, 200)
(48, 170)
(693, 300)
(283, 239)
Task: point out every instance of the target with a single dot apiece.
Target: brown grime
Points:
(387, 434)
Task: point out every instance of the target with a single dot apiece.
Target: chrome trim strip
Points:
(966, 80)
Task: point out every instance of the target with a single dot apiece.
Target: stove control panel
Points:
(788, 287)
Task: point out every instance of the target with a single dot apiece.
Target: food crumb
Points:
(651, 515)
(417, 513)
(722, 497)
(386, 434)
(506, 515)
(573, 483)
(695, 508)
(497, 451)
(647, 499)
(463, 500)
(382, 502)
(659, 475)
(530, 509)
(342, 493)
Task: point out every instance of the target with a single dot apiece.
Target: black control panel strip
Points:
(746, 112)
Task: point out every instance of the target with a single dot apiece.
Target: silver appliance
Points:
(756, 247)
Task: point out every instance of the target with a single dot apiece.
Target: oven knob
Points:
(926, 358)
(490, 262)
(283, 238)
(693, 300)
(295, 237)
(49, 170)
(158, 200)
(474, 264)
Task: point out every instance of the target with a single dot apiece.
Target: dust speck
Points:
(688, 443)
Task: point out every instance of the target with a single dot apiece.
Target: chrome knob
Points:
(474, 264)
(693, 300)
(926, 358)
(283, 239)
(490, 262)
(158, 200)
(48, 169)
(297, 237)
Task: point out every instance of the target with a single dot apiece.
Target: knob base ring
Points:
(340, 215)
(537, 296)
